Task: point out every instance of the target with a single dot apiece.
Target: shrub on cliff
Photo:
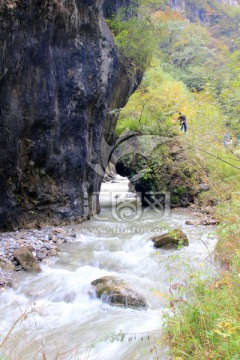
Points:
(133, 34)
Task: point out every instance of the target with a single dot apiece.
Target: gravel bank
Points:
(43, 243)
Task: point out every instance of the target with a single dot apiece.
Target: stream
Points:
(51, 315)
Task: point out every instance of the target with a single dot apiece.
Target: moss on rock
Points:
(174, 238)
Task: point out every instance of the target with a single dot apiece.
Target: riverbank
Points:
(43, 244)
(207, 326)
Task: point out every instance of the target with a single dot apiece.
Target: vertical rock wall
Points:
(201, 10)
(60, 75)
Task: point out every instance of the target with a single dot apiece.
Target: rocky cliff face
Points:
(203, 10)
(181, 4)
(110, 7)
(230, 2)
(60, 76)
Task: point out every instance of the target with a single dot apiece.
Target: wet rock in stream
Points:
(115, 291)
(206, 222)
(26, 259)
(173, 238)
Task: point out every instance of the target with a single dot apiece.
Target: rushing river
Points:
(51, 315)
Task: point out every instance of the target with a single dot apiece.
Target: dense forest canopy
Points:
(204, 56)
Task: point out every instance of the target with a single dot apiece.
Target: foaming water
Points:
(53, 312)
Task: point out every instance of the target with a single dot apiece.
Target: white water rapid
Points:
(50, 315)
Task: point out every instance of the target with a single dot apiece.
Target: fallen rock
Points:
(6, 264)
(173, 238)
(116, 292)
(41, 255)
(209, 222)
(203, 187)
(206, 222)
(193, 222)
(53, 252)
(26, 259)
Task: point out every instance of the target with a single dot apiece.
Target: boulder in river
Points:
(117, 292)
(193, 222)
(26, 259)
(173, 238)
